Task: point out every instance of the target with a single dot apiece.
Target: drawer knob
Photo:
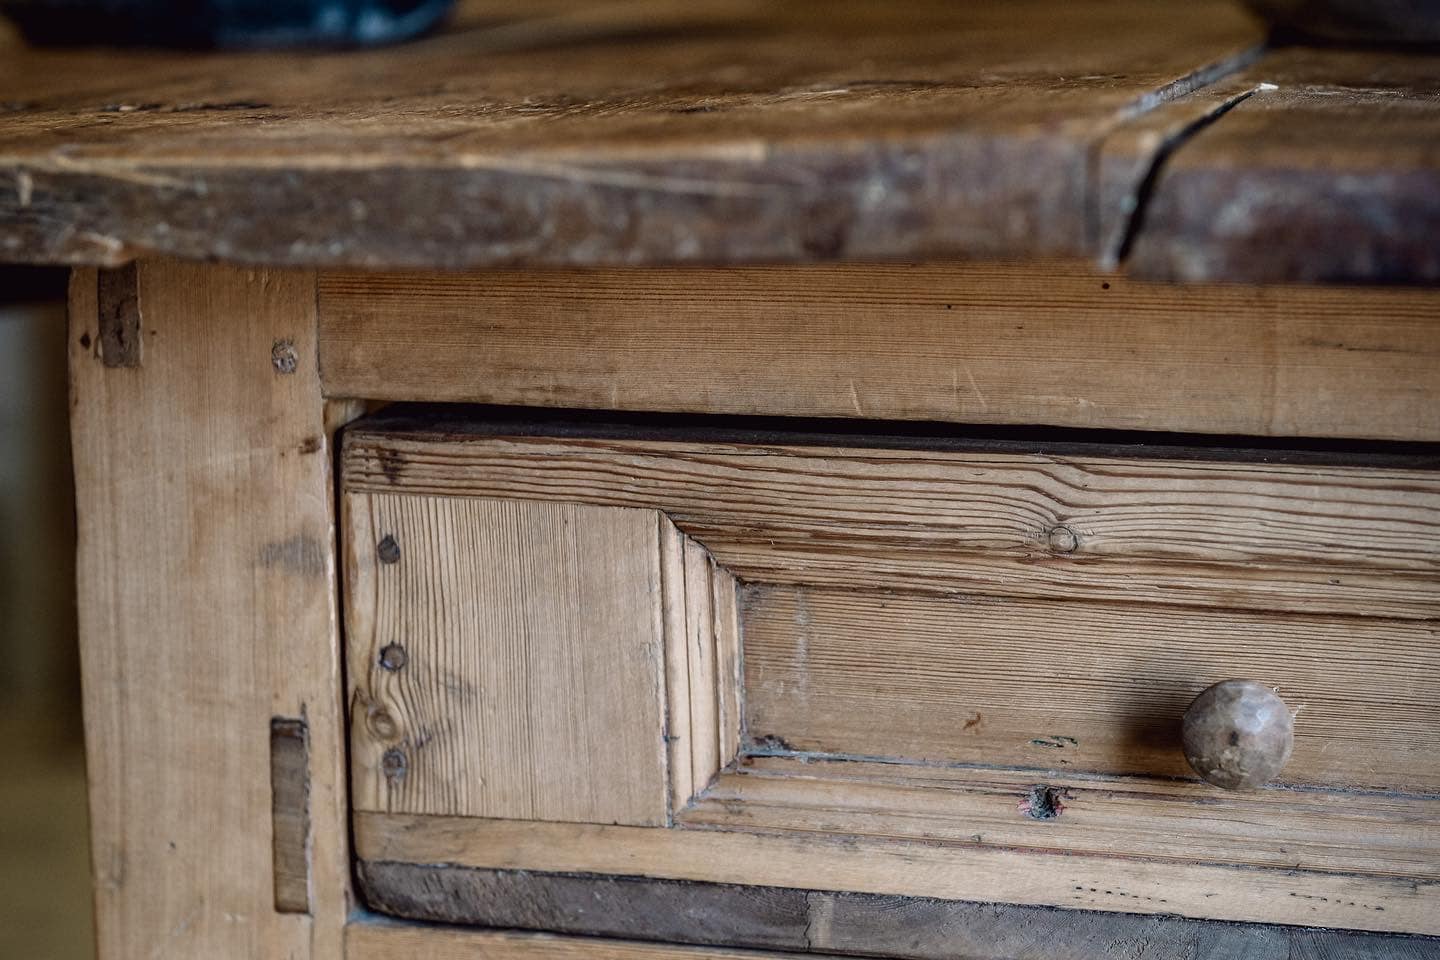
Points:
(1238, 734)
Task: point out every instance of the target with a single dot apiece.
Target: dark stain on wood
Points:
(857, 924)
(121, 336)
(301, 555)
(290, 813)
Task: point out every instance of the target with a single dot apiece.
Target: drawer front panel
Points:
(750, 658)
(1077, 686)
(502, 664)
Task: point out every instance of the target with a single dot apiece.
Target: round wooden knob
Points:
(1238, 734)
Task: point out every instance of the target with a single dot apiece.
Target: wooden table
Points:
(911, 505)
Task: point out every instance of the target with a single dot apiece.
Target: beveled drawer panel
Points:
(1079, 686)
(950, 671)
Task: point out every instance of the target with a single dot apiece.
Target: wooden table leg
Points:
(207, 613)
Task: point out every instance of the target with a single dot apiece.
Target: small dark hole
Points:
(394, 657)
(388, 549)
(394, 765)
(1043, 803)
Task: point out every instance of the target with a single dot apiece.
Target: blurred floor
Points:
(45, 906)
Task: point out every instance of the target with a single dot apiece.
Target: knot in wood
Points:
(1061, 539)
(383, 726)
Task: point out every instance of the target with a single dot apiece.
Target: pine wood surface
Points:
(1049, 342)
(1086, 687)
(700, 609)
(1162, 819)
(733, 131)
(931, 869)
(912, 714)
(619, 132)
(381, 940)
(509, 663)
(1259, 536)
(207, 604)
(535, 660)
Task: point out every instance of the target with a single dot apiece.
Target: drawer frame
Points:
(206, 402)
(743, 814)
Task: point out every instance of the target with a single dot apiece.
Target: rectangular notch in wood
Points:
(290, 813)
(121, 335)
(533, 660)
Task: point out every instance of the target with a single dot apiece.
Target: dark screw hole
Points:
(393, 657)
(1043, 803)
(388, 549)
(393, 764)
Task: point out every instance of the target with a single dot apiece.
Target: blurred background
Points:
(45, 907)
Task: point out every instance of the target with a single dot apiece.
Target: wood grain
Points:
(1329, 831)
(904, 928)
(1131, 157)
(1084, 687)
(910, 682)
(700, 610)
(932, 869)
(207, 607)
(1049, 342)
(1332, 174)
(380, 940)
(507, 659)
(663, 131)
(1261, 536)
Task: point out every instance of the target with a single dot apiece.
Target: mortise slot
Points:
(120, 322)
(290, 813)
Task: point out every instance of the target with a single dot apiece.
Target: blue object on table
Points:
(224, 23)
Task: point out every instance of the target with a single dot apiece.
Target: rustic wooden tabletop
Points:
(724, 131)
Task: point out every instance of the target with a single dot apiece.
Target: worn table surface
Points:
(1333, 175)
(713, 131)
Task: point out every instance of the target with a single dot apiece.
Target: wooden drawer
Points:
(765, 667)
